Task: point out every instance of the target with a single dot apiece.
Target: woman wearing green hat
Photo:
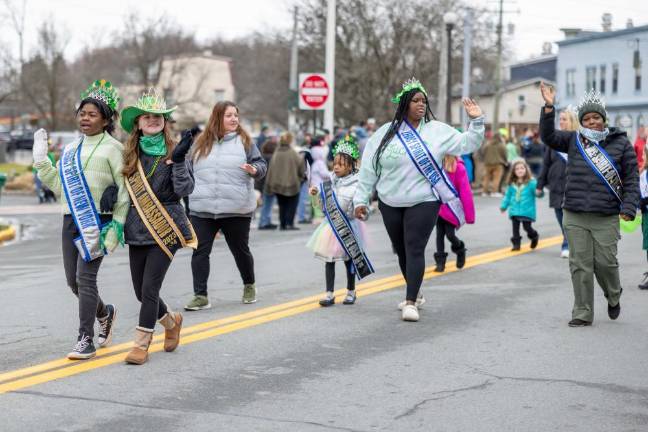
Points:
(86, 169)
(157, 177)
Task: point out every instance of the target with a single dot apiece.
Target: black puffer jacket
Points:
(169, 183)
(584, 190)
(553, 175)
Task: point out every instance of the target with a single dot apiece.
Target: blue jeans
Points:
(303, 208)
(559, 216)
(266, 210)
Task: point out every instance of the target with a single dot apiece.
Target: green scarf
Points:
(153, 145)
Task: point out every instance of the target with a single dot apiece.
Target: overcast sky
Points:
(535, 21)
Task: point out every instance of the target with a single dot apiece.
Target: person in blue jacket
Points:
(520, 201)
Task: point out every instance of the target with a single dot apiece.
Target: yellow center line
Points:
(60, 368)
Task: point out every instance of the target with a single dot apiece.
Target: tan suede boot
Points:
(172, 323)
(139, 353)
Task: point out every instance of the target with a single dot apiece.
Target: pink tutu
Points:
(326, 246)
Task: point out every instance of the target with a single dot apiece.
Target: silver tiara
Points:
(592, 97)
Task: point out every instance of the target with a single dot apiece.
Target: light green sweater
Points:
(399, 183)
(103, 169)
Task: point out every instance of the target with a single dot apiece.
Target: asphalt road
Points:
(492, 351)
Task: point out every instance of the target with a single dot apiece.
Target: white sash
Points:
(602, 165)
(643, 184)
(563, 156)
(81, 205)
(428, 167)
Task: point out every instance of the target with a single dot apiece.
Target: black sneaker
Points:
(534, 242)
(268, 227)
(614, 311)
(327, 301)
(579, 323)
(106, 326)
(83, 350)
(644, 283)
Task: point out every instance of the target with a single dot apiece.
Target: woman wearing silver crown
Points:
(403, 159)
(602, 183)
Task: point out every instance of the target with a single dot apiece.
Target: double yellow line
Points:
(61, 368)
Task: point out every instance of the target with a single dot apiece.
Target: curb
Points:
(7, 234)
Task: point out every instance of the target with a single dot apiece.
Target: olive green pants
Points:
(593, 242)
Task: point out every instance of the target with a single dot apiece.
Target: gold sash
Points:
(161, 226)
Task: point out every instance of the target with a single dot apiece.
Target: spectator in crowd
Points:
(494, 154)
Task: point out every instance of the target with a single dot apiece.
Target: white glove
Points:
(39, 151)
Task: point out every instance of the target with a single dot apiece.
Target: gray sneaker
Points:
(249, 294)
(198, 302)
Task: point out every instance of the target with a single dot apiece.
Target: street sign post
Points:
(313, 91)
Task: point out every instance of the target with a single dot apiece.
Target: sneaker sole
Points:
(418, 305)
(77, 356)
(110, 335)
(249, 301)
(579, 325)
(197, 308)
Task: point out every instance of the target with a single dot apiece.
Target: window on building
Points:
(615, 78)
(638, 79)
(590, 78)
(570, 82)
(603, 73)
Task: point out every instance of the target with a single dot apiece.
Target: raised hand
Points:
(39, 151)
(472, 109)
(548, 93)
(180, 152)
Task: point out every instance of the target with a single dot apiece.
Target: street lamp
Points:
(450, 19)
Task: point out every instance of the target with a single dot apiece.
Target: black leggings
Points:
(526, 224)
(287, 208)
(148, 266)
(81, 277)
(330, 275)
(409, 230)
(237, 236)
(446, 229)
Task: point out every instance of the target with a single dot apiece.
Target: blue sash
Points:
(428, 167)
(643, 184)
(81, 205)
(602, 165)
(343, 231)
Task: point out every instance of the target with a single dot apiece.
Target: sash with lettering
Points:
(602, 165)
(81, 205)
(157, 220)
(343, 231)
(428, 167)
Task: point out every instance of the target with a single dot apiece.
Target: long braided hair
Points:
(401, 114)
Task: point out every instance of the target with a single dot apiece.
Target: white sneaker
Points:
(419, 303)
(497, 195)
(564, 253)
(410, 313)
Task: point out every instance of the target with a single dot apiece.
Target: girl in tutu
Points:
(324, 242)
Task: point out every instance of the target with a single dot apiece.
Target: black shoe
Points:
(534, 241)
(614, 311)
(83, 350)
(516, 243)
(350, 298)
(292, 228)
(579, 323)
(644, 283)
(304, 222)
(440, 259)
(326, 301)
(461, 254)
(268, 227)
(106, 326)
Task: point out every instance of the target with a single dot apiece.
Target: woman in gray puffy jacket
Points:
(225, 162)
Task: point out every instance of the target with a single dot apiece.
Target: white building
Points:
(612, 62)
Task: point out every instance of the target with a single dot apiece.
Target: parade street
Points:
(492, 350)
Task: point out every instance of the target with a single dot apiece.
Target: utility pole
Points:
(329, 115)
(292, 85)
(498, 70)
(443, 77)
(465, 91)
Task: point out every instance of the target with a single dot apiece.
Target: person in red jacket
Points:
(640, 144)
(447, 222)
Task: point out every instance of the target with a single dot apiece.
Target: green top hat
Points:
(149, 103)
